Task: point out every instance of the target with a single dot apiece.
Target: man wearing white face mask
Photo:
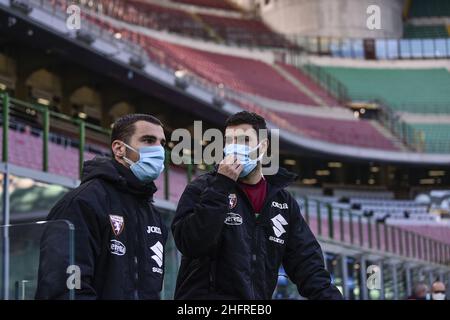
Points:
(235, 227)
(438, 291)
(119, 236)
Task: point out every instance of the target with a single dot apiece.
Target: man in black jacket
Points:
(235, 227)
(119, 236)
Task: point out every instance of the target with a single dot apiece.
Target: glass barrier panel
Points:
(24, 270)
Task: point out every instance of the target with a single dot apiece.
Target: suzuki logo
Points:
(278, 223)
(158, 253)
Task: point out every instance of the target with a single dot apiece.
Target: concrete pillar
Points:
(344, 269)
(363, 279)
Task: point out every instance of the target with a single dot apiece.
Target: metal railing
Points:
(414, 139)
(346, 226)
(327, 81)
(380, 49)
(44, 118)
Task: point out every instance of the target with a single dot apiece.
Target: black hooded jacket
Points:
(229, 253)
(119, 238)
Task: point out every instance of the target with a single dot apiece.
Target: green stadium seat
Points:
(436, 136)
(424, 32)
(408, 90)
(429, 8)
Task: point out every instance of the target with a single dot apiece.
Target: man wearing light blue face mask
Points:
(235, 227)
(119, 235)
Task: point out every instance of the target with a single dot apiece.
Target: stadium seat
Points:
(411, 90)
(436, 136)
(310, 84)
(244, 31)
(359, 133)
(241, 74)
(429, 8)
(154, 17)
(237, 31)
(423, 32)
(63, 160)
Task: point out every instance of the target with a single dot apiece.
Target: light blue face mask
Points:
(243, 154)
(150, 163)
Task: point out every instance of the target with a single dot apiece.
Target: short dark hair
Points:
(245, 117)
(123, 128)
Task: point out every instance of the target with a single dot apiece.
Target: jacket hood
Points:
(110, 170)
(282, 178)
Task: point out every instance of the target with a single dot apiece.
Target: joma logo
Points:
(280, 205)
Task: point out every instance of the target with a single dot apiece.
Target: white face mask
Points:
(438, 296)
(243, 153)
(150, 163)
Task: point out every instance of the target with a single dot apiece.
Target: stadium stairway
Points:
(309, 83)
(388, 135)
(211, 32)
(298, 84)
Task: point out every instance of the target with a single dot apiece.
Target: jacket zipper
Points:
(136, 261)
(253, 263)
(255, 236)
(136, 278)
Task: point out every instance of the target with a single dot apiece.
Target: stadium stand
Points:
(154, 17)
(347, 132)
(412, 90)
(63, 161)
(437, 232)
(423, 32)
(244, 31)
(372, 212)
(63, 157)
(436, 136)
(309, 83)
(352, 132)
(240, 74)
(27, 152)
(429, 8)
(352, 226)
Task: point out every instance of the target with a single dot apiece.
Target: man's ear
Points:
(264, 146)
(118, 149)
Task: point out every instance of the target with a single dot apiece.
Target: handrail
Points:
(369, 235)
(327, 81)
(47, 115)
(6, 102)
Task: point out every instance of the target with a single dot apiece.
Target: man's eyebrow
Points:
(152, 138)
(237, 136)
(147, 137)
